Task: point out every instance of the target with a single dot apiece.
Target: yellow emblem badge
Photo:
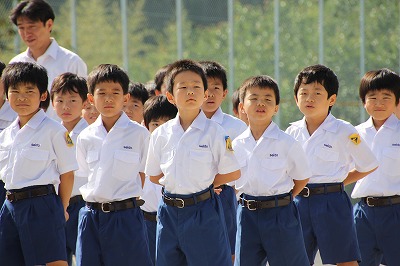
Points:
(228, 143)
(355, 138)
(68, 140)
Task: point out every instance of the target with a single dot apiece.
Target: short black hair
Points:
(35, 10)
(25, 73)
(215, 70)
(2, 67)
(380, 79)
(261, 81)
(158, 107)
(235, 100)
(108, 73)
(138, 91)
(183, 66)
(69, 82)
(159, 77)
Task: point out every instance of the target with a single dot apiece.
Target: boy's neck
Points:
(313, 123)
(2, 102)
(209, 114)
(187, 117)
(109, 122)
(71, 124)
(258, 129)
(378, 123)
(23, 120)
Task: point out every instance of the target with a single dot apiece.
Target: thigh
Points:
(88, 250)
(41, 226)
(123, 238)
(281, 235)
(249, 249)
(370, 254)
(205, 223)
(334, 228)
(10, 247)
(151, 228)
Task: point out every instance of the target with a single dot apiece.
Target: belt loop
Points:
(134, 202)
(325, 188)
(276, 201)
(212, 191)
(342, 187)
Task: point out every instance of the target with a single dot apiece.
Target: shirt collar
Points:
(34, 122)
(391, 122)
(271, 132)
(51, 50)
(329, 123)
(199, 122)
(121, 122)
(218, 116)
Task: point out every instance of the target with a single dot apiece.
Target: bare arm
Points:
(354, 175)
(142, 178)
(155, 179)
(65, 189)
(298, 186)
(221, 179)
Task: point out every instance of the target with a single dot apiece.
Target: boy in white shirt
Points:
(111, 152)
(376, 215)
(68, 95)
(36, 154)
(189, 155)
(333, 147)
(274, 170)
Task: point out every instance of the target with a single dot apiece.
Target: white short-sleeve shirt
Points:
(151, 195)
(189, 159)
(7, 115)
(385, 144)
(78, 180)
(269, 165)
(36, 154)
(57, 60)
(232, 125)
(112, 161)
(333, 150)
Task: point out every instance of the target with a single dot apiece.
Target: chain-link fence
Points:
(249, 37)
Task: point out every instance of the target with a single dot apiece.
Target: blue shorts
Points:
(2, 193)
(378, 232)
(229, 205)
(32, 231)
(71, 228)
(327, 222)
(272, 234)
(113, 238)
(151, 227)
(193, 235)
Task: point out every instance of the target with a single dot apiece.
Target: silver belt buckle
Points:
(182, 201)
(308, 192)
(104, 204)
(367, 201)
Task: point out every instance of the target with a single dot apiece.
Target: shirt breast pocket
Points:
(200, 164)
(272, 170)
(390, 163)
(34, 162)
(126, 165)
(326, 162)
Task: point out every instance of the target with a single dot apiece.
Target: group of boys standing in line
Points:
(178, 190)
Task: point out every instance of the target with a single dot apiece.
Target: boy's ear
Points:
(332, 100)
(241, 108)
(224, 94)
(170, 97)
(90, 98)
(44, 96)
(126, 98)
(205, 95)
(276, 109)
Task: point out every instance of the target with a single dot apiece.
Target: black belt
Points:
(115, 205)
(253, 205)
(381, 201)
(75, 199)
(29, 192)
(181, 203)
(323, 189)
(150, 216)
